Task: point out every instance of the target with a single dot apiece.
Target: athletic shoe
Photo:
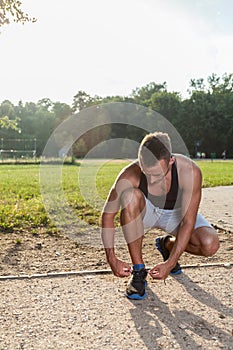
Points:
(160, 244)
(136, 285)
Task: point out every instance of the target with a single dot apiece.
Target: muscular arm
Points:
(128, 178)
(190, 180)
(190, 202)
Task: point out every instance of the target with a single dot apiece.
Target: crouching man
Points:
(158, 190)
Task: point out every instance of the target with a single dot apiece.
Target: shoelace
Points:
(138, 276)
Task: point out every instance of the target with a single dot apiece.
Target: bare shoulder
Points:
(131, 173)
(184, 163)
(188, 170)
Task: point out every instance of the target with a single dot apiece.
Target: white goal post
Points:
(17, 148)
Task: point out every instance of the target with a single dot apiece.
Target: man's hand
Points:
(160, 271)
(120, 268)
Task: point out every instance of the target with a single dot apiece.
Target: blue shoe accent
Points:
(136, 285)
(178, 272)
(138, 267)
(136, 296)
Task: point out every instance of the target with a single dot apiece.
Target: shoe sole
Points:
(158, 246)
(136, 296)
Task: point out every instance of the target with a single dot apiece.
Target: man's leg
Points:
(133, 207)
(133, 204)
(204, 242)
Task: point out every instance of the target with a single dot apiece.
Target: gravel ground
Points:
(217, 206)
(191, 311)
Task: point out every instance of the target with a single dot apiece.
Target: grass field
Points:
(21, 205)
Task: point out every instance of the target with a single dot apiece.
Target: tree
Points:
(143, 95)
(168, 104)
(196, 85)
(207, 116)
(61, 112)
(36, 121)
(8, 117)
(7, 108)
(12, 9)
(45, 103)
(81, 100)
(218, 86)
(6, 123)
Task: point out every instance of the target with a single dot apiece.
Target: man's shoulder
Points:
(132, 168)
(184, 161)
(131, 172)
(188, 170)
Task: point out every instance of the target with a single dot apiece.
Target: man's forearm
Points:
(107, 235)
(110, 255)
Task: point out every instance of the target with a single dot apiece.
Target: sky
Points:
(111, 47)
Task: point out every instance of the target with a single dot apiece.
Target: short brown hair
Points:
(154, 147)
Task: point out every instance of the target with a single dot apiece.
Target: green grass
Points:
(20, 202)
(21, 205)
(216, 173)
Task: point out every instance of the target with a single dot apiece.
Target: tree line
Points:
(204, 119)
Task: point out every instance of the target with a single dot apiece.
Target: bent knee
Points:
(208, 240)
(132, 197)
(210, 245)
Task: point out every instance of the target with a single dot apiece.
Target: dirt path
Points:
(217, 206)
(192, 311)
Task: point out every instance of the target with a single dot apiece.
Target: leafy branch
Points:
(12, 9)
(6, 123)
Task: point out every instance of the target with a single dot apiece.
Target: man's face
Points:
(156, 174)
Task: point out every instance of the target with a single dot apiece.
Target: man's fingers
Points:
(124, 274)
(127, 269)
(124, 271)
(155, 273)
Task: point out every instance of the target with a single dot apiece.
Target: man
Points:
(159, 190)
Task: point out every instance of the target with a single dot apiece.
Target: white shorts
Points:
(167, 220)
